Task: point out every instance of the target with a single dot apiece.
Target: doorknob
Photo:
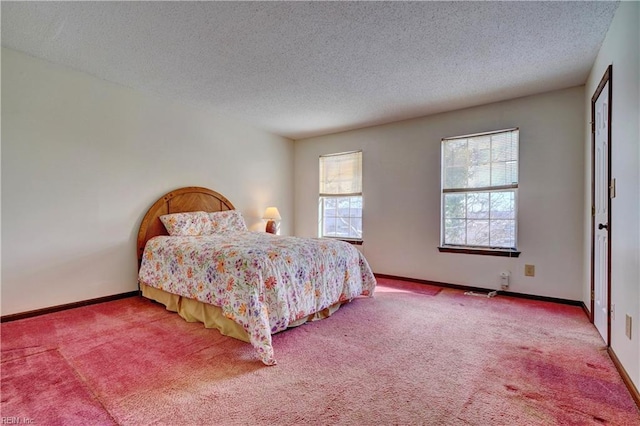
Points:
(603, 226)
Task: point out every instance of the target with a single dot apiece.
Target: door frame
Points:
(606, 78)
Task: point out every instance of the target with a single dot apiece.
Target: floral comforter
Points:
(261, 281)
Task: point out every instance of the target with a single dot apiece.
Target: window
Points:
(479, 191)
(340, 203)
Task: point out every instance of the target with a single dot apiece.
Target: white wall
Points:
(621, 48)
(401, 189)
(82, 161)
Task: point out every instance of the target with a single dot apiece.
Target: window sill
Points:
(354, 242)
(480, 251)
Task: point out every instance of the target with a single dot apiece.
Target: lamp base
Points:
(271, 227)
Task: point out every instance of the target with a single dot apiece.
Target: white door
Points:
(601, 214)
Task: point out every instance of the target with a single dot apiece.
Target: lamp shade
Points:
(272, 213)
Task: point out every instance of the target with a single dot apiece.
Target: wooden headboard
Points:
(189, 199)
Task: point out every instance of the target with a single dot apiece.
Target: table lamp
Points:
(271, 214)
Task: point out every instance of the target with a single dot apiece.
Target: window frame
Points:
(322, 196)
(321, 227)
(509, 188)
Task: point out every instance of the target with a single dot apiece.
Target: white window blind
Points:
(479, 190)
(341, 174)
(481, 161)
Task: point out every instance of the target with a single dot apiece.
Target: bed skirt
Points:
(212, 316)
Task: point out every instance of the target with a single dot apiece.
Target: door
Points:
(601, 196)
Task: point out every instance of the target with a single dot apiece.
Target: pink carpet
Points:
(390, 284)
(410, 355)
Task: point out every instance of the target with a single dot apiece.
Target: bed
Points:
(248, 285)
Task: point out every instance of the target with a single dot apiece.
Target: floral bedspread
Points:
(261, 281)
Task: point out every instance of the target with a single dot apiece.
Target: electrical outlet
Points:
(627, 326)
(529, 270)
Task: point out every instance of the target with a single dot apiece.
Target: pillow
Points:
(227, 221)
(187, 224)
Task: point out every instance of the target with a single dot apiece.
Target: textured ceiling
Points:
(301, 69)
